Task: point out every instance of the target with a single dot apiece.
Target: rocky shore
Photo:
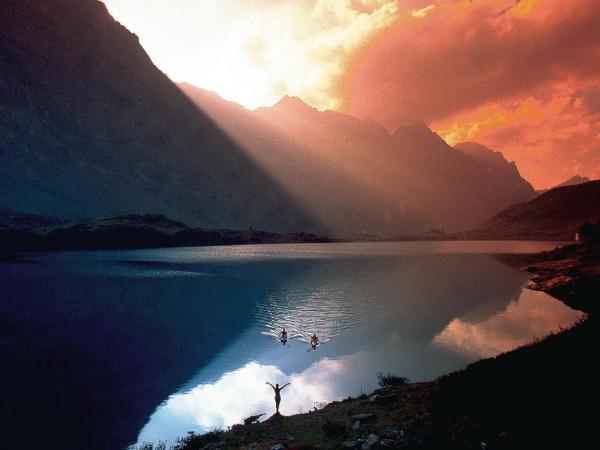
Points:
(536, 396)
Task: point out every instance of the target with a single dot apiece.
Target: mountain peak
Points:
(292, 102)
(574, 180)
(420, 128)
(420, 134)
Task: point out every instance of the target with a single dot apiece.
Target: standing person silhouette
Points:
(277, 390)
(314, 341)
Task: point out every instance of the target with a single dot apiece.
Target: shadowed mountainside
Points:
(359, 179)
(89, 127)
(555, 215)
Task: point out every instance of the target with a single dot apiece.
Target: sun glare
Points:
(255, 51)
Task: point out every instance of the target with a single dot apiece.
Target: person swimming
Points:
(277, 390)
(314, 341)
(283, 337)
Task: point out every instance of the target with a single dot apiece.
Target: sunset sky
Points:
(521, 77)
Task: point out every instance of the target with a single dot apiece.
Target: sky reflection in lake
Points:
(416, 315)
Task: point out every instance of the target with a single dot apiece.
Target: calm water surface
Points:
(117, 348)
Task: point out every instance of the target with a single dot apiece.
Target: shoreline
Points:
(15, 254)
(449, 412)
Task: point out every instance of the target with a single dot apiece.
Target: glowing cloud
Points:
(506, 73)
(255, 51)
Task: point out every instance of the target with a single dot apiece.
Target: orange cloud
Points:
(520, 76)
(552, 139)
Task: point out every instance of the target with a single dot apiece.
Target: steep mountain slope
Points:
(342, 202)
(573, 181)
(357, 178)
(557, 214)
(89, 127)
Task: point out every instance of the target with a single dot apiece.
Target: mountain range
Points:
(89, 127)
(358, 178)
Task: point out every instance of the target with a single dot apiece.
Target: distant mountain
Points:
(89, 127)
(557, 214)
(359, 179)
(10, 221)
(573, 181)
(26, 232)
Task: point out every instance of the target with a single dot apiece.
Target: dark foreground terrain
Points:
(536, 397)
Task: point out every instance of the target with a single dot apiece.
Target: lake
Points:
(109, 349)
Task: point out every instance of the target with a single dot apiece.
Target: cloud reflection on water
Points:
(242, 392)
(533, 316)
(374, 314)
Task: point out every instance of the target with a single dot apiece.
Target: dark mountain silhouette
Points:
(28, 232)
(90, 127)
(359, 179)
(557, 214)
(573, 181)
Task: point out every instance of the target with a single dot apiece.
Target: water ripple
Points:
(325, 312)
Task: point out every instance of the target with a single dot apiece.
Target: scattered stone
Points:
(278, 447)
(364, 417)
(349, 444)
(355, 425)
(372, 439)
